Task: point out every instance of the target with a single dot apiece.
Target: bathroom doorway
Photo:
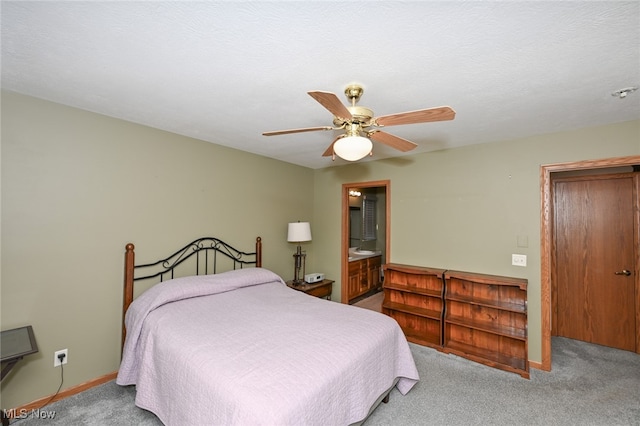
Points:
(366, 222)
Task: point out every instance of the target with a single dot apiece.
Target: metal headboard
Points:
(206, 251)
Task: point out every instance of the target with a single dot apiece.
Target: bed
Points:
(239, 347)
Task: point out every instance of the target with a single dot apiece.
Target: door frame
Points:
(546, 229)
(344, 244)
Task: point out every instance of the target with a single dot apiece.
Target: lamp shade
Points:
(299, 231)
(352, 148)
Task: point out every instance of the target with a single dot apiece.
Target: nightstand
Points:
(320, 289)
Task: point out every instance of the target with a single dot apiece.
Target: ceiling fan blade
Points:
(331, 102)
(306, 129)
(443, 113)
(329, 151)
(392, 141)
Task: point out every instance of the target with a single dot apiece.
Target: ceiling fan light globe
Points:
(352, 148)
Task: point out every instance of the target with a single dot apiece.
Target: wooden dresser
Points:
(413, 296)
(476, 316)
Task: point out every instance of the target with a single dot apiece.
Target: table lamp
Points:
(299, 232)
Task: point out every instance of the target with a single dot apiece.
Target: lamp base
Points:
(299, 263)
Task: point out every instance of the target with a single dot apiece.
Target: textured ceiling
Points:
(225, 72)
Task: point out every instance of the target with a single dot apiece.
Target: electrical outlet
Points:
(56, 360)
(519, 259)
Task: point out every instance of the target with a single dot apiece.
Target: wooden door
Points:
(594, 243)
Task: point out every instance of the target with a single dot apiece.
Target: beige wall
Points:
(77, 186)
(465, 208)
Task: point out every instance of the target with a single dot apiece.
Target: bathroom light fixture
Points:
(353, 193)
(299, 232)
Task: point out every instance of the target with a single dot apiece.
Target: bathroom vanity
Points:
(364, 272)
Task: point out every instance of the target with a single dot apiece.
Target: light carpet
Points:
(588, 385)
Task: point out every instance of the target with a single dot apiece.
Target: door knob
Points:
(623, 272)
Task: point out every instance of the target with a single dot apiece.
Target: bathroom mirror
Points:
(355, 226)
(362, 219)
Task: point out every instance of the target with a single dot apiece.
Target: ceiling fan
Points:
(358, 121)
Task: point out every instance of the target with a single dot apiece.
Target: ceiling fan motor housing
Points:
(360, 115)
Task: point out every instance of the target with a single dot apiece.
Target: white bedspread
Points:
(241, 348)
